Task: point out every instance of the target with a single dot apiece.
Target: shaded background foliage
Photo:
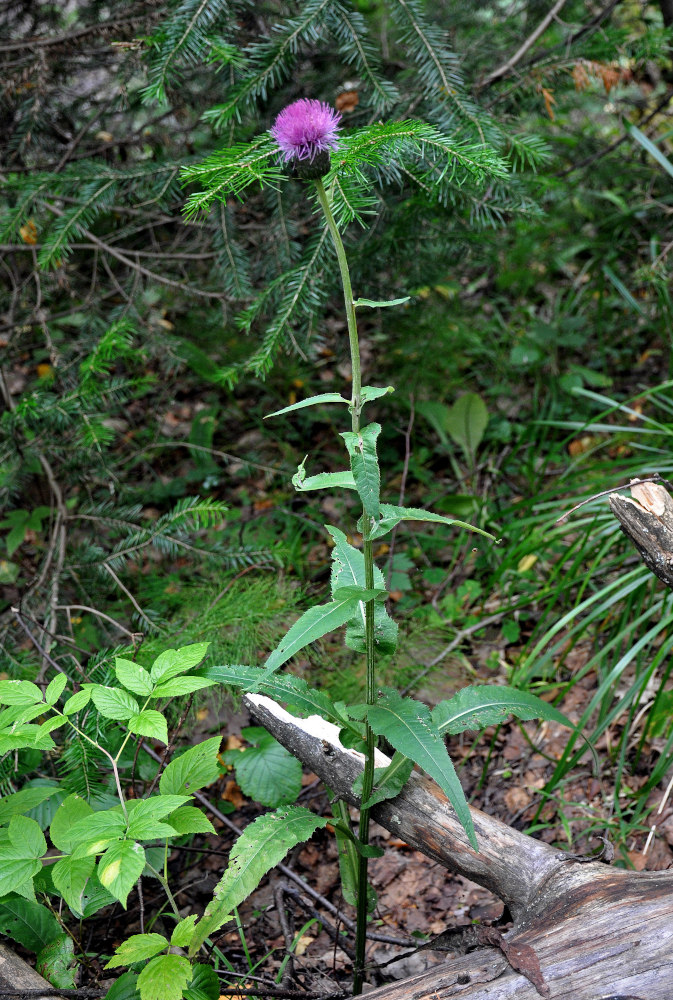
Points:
(137, 479)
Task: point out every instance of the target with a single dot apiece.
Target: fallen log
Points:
(581, 931)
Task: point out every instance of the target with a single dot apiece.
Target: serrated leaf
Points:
(24, 801)
(323, 481)
(120, 867)
(481, 705)
(267, 772)
(30, 924)
(55, 689)
(370, 392)
(149, 723)
(377, 304)
(194, 769)
(16, 872)
(312, 625)
(172, 662)
(189, 819)
(365, 466)
(70, 876)
(407, 726)
(293, 691)
(133, 677)
(26, 836)
(179, 686)
(76, 702)
(164, 978)
(348, 569)
(68, 813)
(19, 693)
(205, 984)
(388, 781)
(182, 932)
(51, 725)
(391, 515)
(144, 816)
(56, 962)
(262, 845)
(114, 703)
(103, 826)
(466, 422)
(324, 397)
(137, 948)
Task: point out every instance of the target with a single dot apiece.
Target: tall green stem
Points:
(368, 776)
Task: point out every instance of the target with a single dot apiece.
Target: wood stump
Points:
(581, 931)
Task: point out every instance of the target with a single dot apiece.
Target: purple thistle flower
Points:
(305, 129)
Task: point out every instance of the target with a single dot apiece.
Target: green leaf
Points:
(323, 481)
(407, 726)
(138, 948)
(649, 147)
(180, 686)
(26, 836)
(388, 781)
(371, 392)
(466, 422)
(182, 932)
(68, 813)
(76, 702)
(98, 828)
(365, 466)
(262, 845)
(70, 876)
(149, 723)
(481, 705)
(194, 769)
(144, 812)
(55, 689)
(133, 677)
(124, 988)
(172, 662)
(313, 624)
(348, 569)
(266, 771)
(164, 978)
(324, 397)
(24, 801)
(56, 962)
(373, 304)
(293, 691)
(30, 924)
(189, 819)
(391, 515)
(114, 703)
(205, 984)
(352, 592)
(19, 693)
(16, 872)
(120, 867)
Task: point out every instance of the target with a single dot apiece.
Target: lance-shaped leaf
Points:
(391, 515)
(371, 392)
(481, 705)
(323, 481)
(324, 397)
(262, 845)
(293, 691)
(407, 726)
(388, 781)
(365, 466)
(348, 569)
(384, 304)
(312, 625)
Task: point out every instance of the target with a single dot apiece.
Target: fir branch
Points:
(355, 47)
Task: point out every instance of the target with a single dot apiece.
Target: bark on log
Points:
(647, 520)
(581, 931)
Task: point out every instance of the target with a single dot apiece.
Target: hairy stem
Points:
(368, 775)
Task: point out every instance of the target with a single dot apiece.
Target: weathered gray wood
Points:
(647, 519)
(593, 931)
(15, 974)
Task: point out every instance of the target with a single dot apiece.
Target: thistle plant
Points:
(340, 171)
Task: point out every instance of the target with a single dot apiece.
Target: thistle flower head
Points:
(305, 129)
